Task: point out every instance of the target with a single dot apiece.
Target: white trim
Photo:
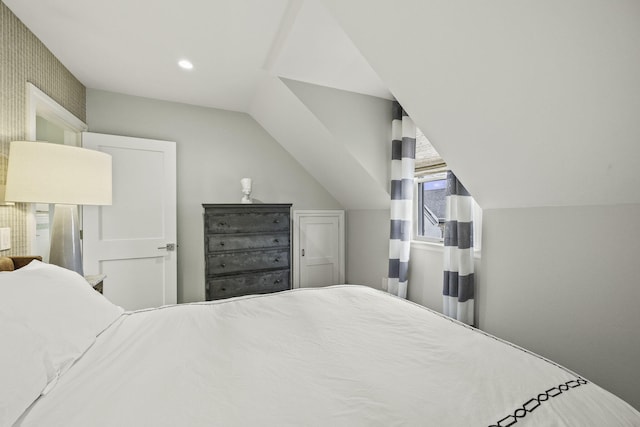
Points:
(427, 246)
(41, 104)
(477, 226)
(423, 239)
(417, 245)
(295, 240)
(416, 184)
(431, 176)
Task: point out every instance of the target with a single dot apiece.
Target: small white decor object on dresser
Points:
(246, 190)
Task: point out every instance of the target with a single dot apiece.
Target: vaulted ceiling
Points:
(240, 52)
(532, 103)
(133, 47)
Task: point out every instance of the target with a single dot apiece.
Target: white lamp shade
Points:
(52, 173)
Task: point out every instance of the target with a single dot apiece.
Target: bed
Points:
(338, 356)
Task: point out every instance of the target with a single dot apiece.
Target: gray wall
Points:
(215, 149)
(367, 247)
(564, 283)
(319, 146)
(361, 123)
(425, 275)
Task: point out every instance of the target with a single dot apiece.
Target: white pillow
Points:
(52, 316)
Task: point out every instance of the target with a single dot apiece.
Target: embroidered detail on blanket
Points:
(533, 403)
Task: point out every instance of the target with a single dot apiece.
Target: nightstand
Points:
(95, 280)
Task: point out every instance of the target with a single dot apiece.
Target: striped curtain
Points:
(458, 286)
(403, 154)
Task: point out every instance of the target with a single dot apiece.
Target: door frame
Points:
(295, 247)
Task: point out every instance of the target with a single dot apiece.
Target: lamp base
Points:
(65, 248)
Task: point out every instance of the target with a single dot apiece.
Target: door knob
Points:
(169, 247)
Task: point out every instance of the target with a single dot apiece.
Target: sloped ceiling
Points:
(133, 47)
(316, 50)
(532, 103)
(359, 123)
(240, 50)
(325, 156)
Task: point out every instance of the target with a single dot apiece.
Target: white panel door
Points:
(133, 240)
(318, 248)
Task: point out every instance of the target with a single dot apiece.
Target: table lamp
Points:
(42, 172)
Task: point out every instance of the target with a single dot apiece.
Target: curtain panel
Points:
(458, 284)
(403, 154)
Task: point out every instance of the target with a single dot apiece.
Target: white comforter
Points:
(338, 356)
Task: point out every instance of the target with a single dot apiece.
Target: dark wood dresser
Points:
(246, 249)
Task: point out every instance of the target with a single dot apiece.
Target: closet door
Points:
(318, 251)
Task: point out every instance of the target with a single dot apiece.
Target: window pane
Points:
(434, 197)
(433, 205)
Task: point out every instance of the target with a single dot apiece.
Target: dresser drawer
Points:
(234, 262)
(245, 284)
(232, 242)
(247, 222)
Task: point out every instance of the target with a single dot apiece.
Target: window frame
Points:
(417, 211)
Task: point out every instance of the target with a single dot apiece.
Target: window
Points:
(431, 204)
(431, 184)
(431, 179)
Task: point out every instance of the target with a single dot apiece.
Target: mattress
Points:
(337, 356)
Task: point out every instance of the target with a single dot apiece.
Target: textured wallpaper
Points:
(23, 58)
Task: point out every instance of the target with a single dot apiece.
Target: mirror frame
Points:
(41, 104)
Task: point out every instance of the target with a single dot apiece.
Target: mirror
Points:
(47, 121)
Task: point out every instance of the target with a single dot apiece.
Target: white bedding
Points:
(337, 356)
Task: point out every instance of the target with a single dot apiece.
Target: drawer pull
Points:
(221, 243)
(276, 221)
(276, 260)
(276, 240)
(221, 224)
(223, 289)
(223, 265)
(276, 281)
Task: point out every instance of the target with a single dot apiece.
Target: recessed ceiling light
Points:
(187, 65)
